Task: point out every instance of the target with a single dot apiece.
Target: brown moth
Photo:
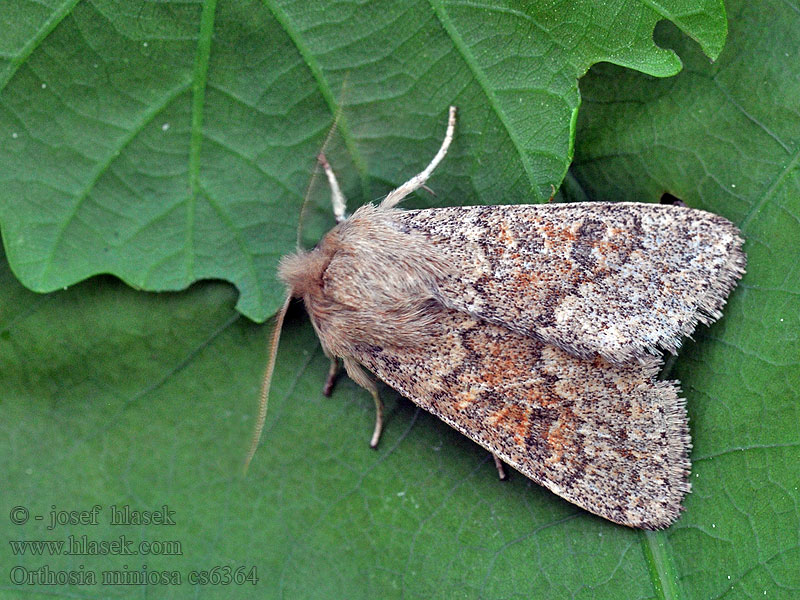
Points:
(533, 330)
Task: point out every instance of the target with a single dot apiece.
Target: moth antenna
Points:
(265, 383)
(338, 200)
(313, 179)
(396, 196)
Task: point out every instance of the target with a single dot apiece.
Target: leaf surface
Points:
(171, 142)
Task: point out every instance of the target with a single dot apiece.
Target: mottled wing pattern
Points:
(611, 439)
(620, 280)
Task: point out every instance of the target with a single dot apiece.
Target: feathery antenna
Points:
(266, 381)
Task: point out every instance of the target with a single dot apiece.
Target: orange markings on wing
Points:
(514, 418)
(561, 435)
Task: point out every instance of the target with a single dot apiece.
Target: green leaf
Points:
(171, 142)
(111, 396)
(726, 138)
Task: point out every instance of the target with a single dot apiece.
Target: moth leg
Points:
(333, 373)
(418, 181)
(671, 200)
(338, 200)
(501, 468)
(357, 374)
(376, 433)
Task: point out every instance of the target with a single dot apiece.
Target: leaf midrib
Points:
(337, 115)
(486, 87)
(199, 82)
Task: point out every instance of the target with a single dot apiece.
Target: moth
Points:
(536, 331)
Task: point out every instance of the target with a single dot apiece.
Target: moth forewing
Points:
(528, 329)
(622, 280)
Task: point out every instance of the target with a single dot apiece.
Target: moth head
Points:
(302, 271)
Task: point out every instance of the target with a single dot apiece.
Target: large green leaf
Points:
(111, 396)
(170, 142)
